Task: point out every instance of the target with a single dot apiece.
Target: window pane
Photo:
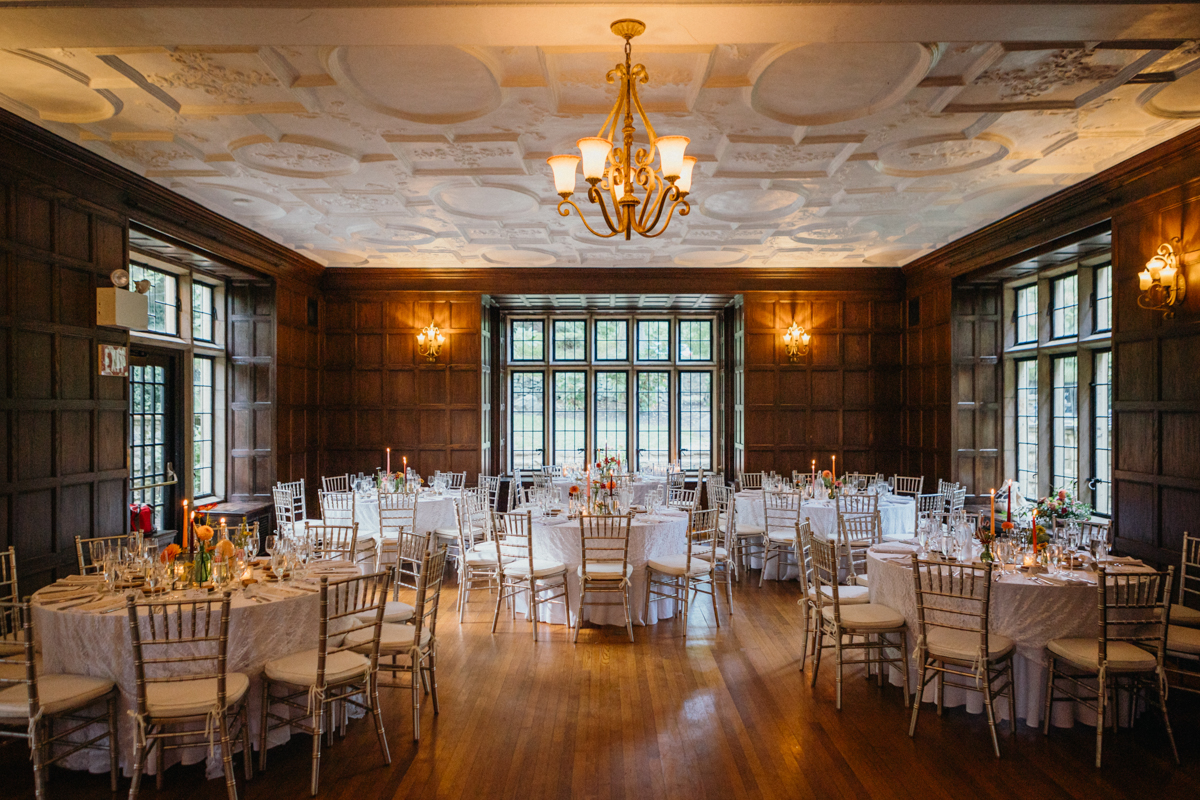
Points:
(147, 438)
(1027, 314)
(612, 413)
(695, 340)
(570, 418)
(202, 426)
(528, 419)
(163, 303)
(1027, 427)
(695, 420)
(528, 340)
(653, 340)
(1066, 424)
(1064, 318)
(612, 340)
(1104, 298)
(569, 340)
(1102, 432)
(654, 418)
(202, 311)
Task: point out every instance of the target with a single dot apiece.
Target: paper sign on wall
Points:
(114, 360)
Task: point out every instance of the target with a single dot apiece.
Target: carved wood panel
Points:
(976, 386)
(252, 391)
(927, 379)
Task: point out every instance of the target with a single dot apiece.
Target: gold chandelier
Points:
(615, 169)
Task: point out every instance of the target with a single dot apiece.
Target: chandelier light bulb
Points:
(670, 154)
(684, 183)
(564, 173)
(595, 152)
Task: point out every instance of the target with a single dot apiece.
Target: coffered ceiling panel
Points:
(425, 146)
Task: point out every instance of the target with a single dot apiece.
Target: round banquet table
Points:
(557, 539)
(1031, 614)
(433, 512)
(93, 639)
(642, 488)
(897, 515)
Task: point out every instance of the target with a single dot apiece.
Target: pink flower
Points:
(1062, 494)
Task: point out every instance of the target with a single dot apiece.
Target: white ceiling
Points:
(417, 136)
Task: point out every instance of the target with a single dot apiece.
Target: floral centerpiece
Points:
(1062, 505)
(203, 556)
(832, 485)
(603, 485)
(986, 537)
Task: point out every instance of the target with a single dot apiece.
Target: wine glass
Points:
(279, 563)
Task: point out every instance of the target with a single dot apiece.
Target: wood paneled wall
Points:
(1156, 382)
(976, 389)
(298, 385)
(927, 378)
(252, 391)
(378, 392)
(62, 426)
(844, 398)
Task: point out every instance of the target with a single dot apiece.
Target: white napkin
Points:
(899, 548)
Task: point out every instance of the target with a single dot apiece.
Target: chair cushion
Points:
(964, 645)
(783, 537)
(1085, 654)
(392, 638)
(393, 611)
(1180, 615)
(446, 533)
(741, 530)
(12, 671)
(486, 548)
(56, 693)
(190, 698)
(677, 565)
(862, 580)
(847, 595)
(605, 571)
(866, 617)
(300, 669)
(1181, 639)
(475, 558)
(541, 568)
(722, 553)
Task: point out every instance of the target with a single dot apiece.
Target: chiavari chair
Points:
(781, 514)
(544, 581)
(676, 479)
(749, 480)
(724, 565)
(856, 503)
(680, 576)
(1187, 611)
(954, 644)
(30, 704)
(907, 486)
(604, 542)
(683, 499)
(928, 505)
(867, 478)
(89, 553)
(286, 520)
(299, 499)
(339, 508)
(491, 485)
(856, 534)
(479, 566)
(1128, 654)
(173, 699)
(338, 483)
(541, 480)
(415, 643)
(332, 542)
(341, 670)
(1183, 633)
(10, 628)
(847, 595)
(1088, 529)
(845, 624)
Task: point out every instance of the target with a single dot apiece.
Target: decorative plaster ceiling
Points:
(431, 154)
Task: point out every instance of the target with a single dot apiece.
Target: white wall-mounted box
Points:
(121, 308)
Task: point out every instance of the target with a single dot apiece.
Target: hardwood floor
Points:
(721, 714)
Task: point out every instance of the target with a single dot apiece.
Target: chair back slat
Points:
(350, 605)
(824, 572)
(953, 596)
(1189, 572)
(683, 499)
(338, 483)
(9, 593)
(804, 562)
(702, 536)
(397, 512)
(89, 553)
(781, 512)
(604, 541)
(429, 593)
(338, 507)
(514, 536)
(491, 483)
(16, 623)
(177, 640)
(857, 503)
(1133, 608)
(332, 542)
(749, 480)
(907, 486)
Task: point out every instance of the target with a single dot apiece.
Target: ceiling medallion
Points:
(611, 168)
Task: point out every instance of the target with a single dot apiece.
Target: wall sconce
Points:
(795, 341)
(429, 342)
(1162, 283)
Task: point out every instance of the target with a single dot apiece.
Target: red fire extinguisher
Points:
(141, 518)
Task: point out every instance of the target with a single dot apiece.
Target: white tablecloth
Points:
(433, 512)
(98, 644)
(897, 515)
(662, 535)
(1030, 614)
(641, 489)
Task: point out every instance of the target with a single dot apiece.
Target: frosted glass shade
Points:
(684, 184)
(595, 153)
(670, 154)
(564, 172)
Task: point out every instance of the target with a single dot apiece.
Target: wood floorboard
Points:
(717, 713)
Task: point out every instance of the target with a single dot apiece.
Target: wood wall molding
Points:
(586, 280)
(65, 167)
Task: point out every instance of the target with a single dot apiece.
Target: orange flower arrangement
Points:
(225, 548)
(171, 553)
(573, 490)
(204, 533)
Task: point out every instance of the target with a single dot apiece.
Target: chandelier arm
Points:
(683, 212)
(566, 212)
(637, 103)
(667, 194)
(654, 199)
(597, 197)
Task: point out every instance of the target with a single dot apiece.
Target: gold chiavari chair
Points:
(338, 483)
(404, 556)
(333, 542)
(179, 660)
(299, 499)
(847, 595)
(845, 624)
(342, 669)
(338, 508)
(550, 470)
(1088, 529)
(676, 479)
(89, 552)
(1129, 652)
(541, 480)
(286, 520)
(1183, 632)
(10, 630)
(683, 499)
(954, 641)
(854, 478)
(749, 480)
(724, 565)
(781, 514)
(545, 581)
(415, 643)
(479, 565)
(31, 704)
(856, 534)
(604, 542)
(927, 505)
(678, 577)
(856, 503)
(456, 480)
(907, 486)
(491, 484)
